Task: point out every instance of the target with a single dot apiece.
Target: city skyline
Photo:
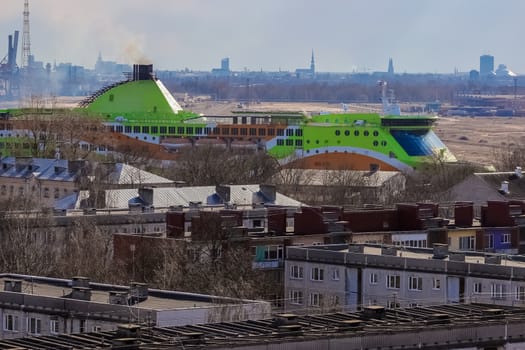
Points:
(421, 37)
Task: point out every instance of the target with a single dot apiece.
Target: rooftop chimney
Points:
(138, 292)
(504, 189)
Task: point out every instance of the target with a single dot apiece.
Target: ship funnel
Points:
(142, 71)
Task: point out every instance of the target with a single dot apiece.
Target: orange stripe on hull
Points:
(339, 161)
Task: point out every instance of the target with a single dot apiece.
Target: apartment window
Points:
(415, 283)
(467, 243)
(10, 323)
(436, 283)
(315, 299)
(477, 288)
(393, 281)
(520, 293)
(373, 278)
(497, 291)
(317, 274)
(46, 192)
(82, 326)
(296, 297)
(490, 240)
(244, 131)
(57, 193)
(335, 274)
(296, 272)
(273, 252)
(54, 327)
(34, 325)
(505, 238)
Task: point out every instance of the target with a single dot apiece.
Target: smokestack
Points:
(142, 71)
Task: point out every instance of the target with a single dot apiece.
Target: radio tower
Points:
(26, 42)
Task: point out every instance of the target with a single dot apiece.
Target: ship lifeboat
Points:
(175, 143)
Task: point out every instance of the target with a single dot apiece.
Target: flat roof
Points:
(373, 327)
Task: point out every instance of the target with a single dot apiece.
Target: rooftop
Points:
(438, 327)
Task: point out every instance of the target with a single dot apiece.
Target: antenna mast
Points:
(26, 42)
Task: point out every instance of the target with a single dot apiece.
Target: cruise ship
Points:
(141, 112)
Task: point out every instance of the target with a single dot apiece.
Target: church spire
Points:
(312, 63)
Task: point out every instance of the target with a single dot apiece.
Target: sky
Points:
(421, 36)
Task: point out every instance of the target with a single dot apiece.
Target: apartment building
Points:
(337, 277)
(36, 306)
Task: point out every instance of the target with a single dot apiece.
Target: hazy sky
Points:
(346, 35)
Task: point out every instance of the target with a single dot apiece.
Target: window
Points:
(497, 291)
(347, 132)
(467, 243)
(57, 193)
(337, 132)
(244, 131)
(97, 329)
(34, 325)
(393, 305)
(180, 130)
(127, 128)
(10, 323)
(436, 283)
(373, 278)
(415, 283)
(289, 132)
(296, 272)
(253, 131)
(54, 327)
(315, 299)
(198, 130)
(280, 132)
(273, 252)
(317, 274)
(280, 142)
(299, 132)
(163, 130)
(154, 129)
(393, 281)
(376, 133)
(225, 131)
(189, 130)
(271, 132)
(46, 192)
(289, 142)
(520, 293)
(136, 129)
(335, 274)
(490, 240)
(299, 143)
(82, 326)
(477, 288)
(171, 129)
(505, 238)
(296, 297)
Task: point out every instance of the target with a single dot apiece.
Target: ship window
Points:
(299, 132)
(171, 129)
(289, 142)
(347, 132)
(307, 141)
(280, 142)
(356, 133)
(280, 132)
(376, 143)
(337, 132)
(119, 128)
(235, 131)
(253, 131)
(154, 129)
(189, 130)
(198, 130)
(136, 129)
(376, 133)
(383, 143)
(180, 130)
(289, 132)
(225, 131)
(145, 129)
(111, 97)
(271, 132)
(162, 129)
(262, 132)
(244, 131)
(127, 128)
(366, 133)
(207, 131)
(317, 141)
(299, 143)
(215, 131)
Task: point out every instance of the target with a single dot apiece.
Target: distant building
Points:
(486, 65)
(225, 68)
(307, 72)
(390, 67)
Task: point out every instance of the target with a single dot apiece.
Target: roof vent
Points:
(128, 331)
(374, 311)
(457, 257)
(118, 298)
(504, 188)
(390, 251)
(80, 281)
(138, 292)
(493, 259)
(440, 251)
